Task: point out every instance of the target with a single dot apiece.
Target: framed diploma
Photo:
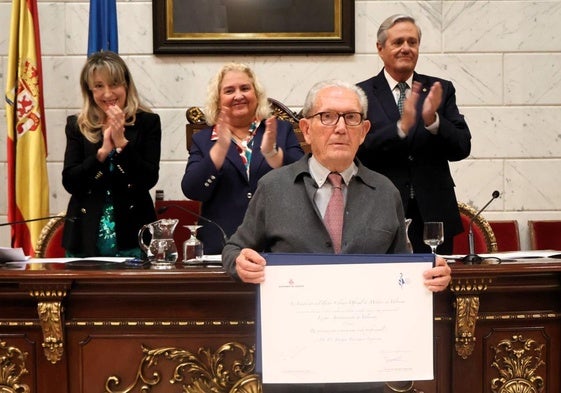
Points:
(345, 319)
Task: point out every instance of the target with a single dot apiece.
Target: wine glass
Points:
(433, 234)
(192, 247)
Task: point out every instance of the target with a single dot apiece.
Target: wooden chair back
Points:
(545, 234)
(49, 244)
(507, 235)
(483, 236)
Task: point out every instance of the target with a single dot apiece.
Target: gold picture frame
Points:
(253, 26)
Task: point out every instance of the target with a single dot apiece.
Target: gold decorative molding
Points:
(12, 369)
(463, 286)
(157, 323)
(228, 370)
(49, 310)
(517, 361)
(467, 310)
(480, 222)
(195, 115)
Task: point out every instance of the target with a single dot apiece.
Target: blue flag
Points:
(103, 26)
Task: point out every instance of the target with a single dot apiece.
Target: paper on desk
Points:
(213, 257)
(12, 254)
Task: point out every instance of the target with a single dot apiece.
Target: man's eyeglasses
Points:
(332, 118)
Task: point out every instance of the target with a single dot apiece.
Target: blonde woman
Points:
(227, 159)
(111, 162)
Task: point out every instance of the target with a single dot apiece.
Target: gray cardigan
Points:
(282, 216)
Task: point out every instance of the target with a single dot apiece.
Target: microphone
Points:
(36, 219)
(472, 257)
(165, 208)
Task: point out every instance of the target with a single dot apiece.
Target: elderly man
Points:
(414, 138)
(289, 208)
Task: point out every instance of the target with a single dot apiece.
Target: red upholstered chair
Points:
(545, 234)
(507, 235)
(179, 209)
(49, 244)
(483, 237)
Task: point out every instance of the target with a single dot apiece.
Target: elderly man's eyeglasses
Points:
(332, 118)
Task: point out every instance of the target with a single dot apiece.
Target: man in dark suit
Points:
(413, 146)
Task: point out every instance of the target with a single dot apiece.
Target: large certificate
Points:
(345, 318)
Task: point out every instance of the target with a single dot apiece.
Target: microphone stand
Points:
(30, 220)
(472, 258)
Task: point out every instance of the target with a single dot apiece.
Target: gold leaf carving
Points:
(470, 285)
(467, 308)
(50, 319)
(229, 369)
(49, 310)
(195, 115)
(12, 369)
(517, 361)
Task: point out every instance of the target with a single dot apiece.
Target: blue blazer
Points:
(421, 159)
(225, 193)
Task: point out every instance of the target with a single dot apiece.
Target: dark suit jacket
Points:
(135, 172)
(225, 193)
(421, 159)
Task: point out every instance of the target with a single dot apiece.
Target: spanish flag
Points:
(28, 184)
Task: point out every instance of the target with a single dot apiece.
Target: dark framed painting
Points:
(253, 26)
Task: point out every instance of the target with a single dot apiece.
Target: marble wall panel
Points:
(478, 79)
(370, 14)
(171, 173)
(3, 180)
(77, 22)
(5, 15)
(135, 27)
(53, 32)
(533, 78)
(4, 233)
(173, 135)
(56, 140)
(532, 187)
(3, 136)
(182, 81)
(477, 179)
(517, 132)
(4, 230)
(501, 26)
(61, 81)
(3, 71)
(59, 198)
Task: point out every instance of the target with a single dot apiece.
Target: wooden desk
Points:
(82, 331)
(497, 330)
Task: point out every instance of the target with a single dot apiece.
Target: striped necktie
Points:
(333, 218)
(402, 86)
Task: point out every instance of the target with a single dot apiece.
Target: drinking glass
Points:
(433, 234)
(192, 247)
